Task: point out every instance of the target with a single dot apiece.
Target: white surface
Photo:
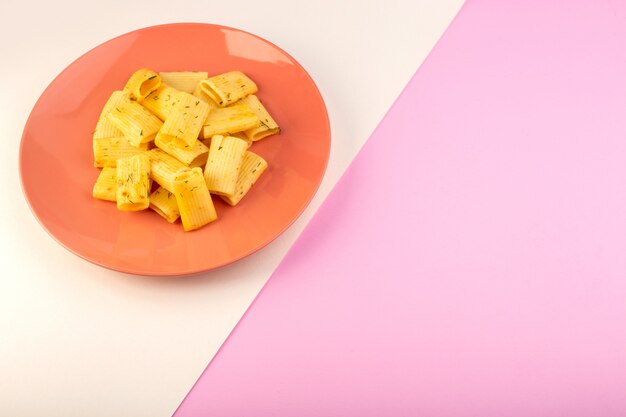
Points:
(79, 340)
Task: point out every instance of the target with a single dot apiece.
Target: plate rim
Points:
(194, 271)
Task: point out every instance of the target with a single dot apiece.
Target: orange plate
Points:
(56, 157)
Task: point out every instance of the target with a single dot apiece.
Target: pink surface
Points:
(471, 262)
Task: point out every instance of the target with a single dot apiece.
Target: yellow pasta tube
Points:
(202, 96)
(163, 168)
(142, 83)
(194, 156)
(106, 185)
(184, 80)
(267, 126)
(240, 135)
(136, 123)
(105, 128)
(224, 164)
(106, 151)
(164, 203)
(252, 167)
(228, 120)
(186, 118)
(159, 102)
(193, 198)
(133, 183)
(229, 87)
(212, 106)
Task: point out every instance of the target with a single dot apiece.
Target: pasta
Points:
(106, 151)
(193, 156)
(133, 183)
(159, 102)
(240, 135)
(142, 83)
(202, 128)
(267, 126)
(105, 128)
(164, 203)
(229, 87)
(222, 168)
(183, 81)
(106, 185)
(193, 198)
(136, 123)
(252, 167)
(202, 96)
(185, 119)
(163, 168)
(229, 120)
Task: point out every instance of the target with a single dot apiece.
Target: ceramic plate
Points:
(56, 157)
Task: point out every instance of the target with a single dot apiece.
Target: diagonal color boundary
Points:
(193, 388)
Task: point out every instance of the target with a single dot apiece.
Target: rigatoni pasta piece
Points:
(202, 96)
(267, 126)
(183, 80)
(136, 123)
(240, 135)
(193, 198)
(185, 119)
(106, 185)
(252, 167)
(228, 120)
(105, 128)
(106, 151)
(159, 102)
(164, 203)
(224, 164)
(142, 83)
(163, 168)
(193, 156)
(229, 87)
(212, 106)
(133, 183)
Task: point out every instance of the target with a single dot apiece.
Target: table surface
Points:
(76, 339)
